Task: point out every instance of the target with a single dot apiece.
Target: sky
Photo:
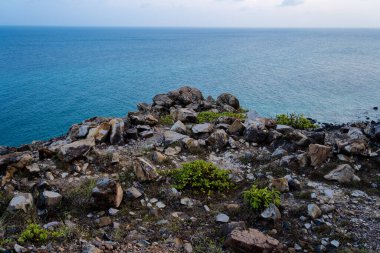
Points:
(192, 13)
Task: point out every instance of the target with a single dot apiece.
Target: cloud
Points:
(291, 2)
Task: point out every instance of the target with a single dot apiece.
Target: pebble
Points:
(222, 218)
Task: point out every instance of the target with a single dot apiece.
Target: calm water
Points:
(51, 78)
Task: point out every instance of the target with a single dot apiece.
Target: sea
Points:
(53, 77)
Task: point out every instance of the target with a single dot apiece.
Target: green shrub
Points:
(261, 198)
(201, 176)
(34, 233)
(210, 116)
(166, 120)
(294, 120)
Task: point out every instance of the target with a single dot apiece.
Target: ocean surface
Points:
(51, 78)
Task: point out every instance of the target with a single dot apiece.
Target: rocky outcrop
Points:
(229, 100)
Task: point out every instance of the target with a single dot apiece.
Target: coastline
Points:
(322, 174)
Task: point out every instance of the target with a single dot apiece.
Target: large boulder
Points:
(184, 115)
(186, 95)
(252, 241)
(117, 131)
(318, 153)
(352, 146)
(107, 193)
(228, 99)
(74, 150)
(344, 173)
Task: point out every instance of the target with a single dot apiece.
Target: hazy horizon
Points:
(192, 14)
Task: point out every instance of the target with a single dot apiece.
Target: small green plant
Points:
(294, 120)
(210, 116)
(34, 233)
(201, 176)
(166, 120)
(261, 198)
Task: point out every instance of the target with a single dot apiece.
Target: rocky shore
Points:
(106, 185)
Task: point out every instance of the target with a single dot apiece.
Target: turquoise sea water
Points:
(51, 78)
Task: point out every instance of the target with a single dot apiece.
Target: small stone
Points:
(51, 198)
(107, 192)
(188, 247)
(179, 127)
(187, 202)
(113, 211)
(104, 221)
(21, 201)
(91, 249)
(358, 193)
(344, 173)
(280, 184)
(335, 243)
(314, 211)
(49, 176)
(271, 212)
(133, 193)
(33, 168)
(307, 225)
(207, 209)
(20, 249)
(160, 205)
(223, 218)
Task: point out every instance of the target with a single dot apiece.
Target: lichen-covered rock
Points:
(344, 173)
(252, 241)
(228, 99)
(108, 193)
(117, 131)
(319, 154)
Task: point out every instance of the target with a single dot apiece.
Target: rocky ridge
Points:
(101, 185)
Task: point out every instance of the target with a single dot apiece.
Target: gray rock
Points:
(237, 128)
(91, 249)
(228, 99)
(313, 211)
(344, 173)
(74, 150)
(184, 115)
(218, 139)
(179, 127)
(202, 128)
(22, 201)
(107, 192)
(51, 199)
(271, 212)
(117, 131)
(133, 193)
(163, 100)
(144, 171)
(283, 129)
(256, 132)
(172, 138)
(279, 152)
(223, 218)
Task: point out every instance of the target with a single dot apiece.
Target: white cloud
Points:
(291, 2)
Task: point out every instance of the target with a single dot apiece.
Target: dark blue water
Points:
(51, 78)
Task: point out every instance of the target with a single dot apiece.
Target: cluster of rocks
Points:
(322, 175)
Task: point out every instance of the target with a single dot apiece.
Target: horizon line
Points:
(189, 27)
